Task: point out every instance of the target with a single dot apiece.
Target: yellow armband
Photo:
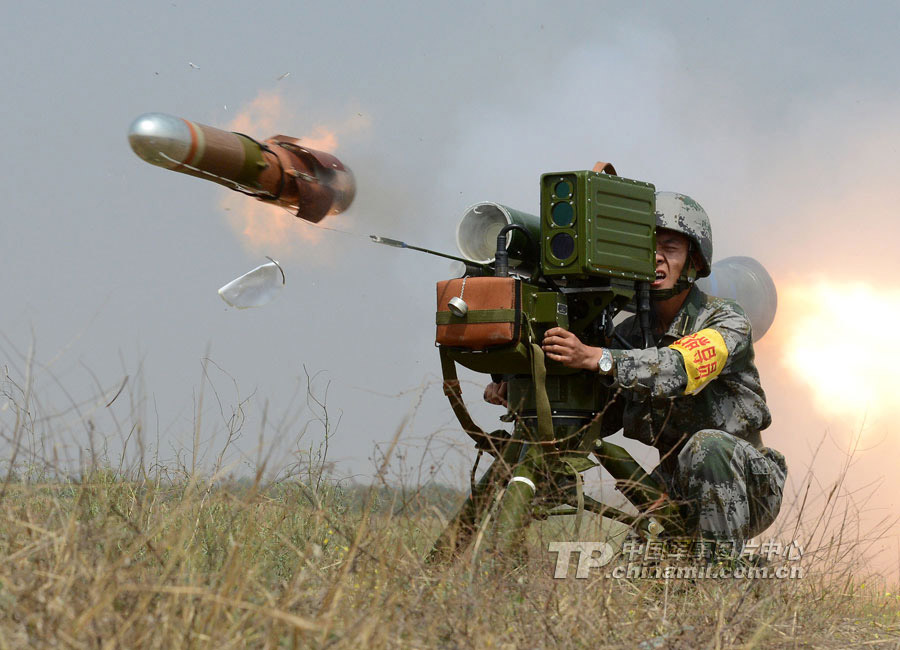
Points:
(705, 354)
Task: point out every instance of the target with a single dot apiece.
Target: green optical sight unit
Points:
(594, 226)
(588, 256)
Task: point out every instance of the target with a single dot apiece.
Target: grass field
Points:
(123, 554)
(124, 562)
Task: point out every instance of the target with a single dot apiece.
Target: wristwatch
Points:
(605, 364)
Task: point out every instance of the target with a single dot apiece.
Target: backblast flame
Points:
(835, 344)
(265, 227)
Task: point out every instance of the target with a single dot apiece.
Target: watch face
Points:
(606, 361)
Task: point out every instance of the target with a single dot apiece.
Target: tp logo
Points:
(591, 555)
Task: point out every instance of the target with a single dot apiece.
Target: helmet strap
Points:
(658, 295)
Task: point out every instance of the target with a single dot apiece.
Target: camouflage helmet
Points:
(684, 215)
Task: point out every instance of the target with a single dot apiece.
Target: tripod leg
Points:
(457, 535)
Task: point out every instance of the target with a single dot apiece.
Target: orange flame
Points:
(267, 228)
(322, 139)
(264, 227)
(262, 115)
(832, 344)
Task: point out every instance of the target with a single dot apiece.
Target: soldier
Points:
(695, 396)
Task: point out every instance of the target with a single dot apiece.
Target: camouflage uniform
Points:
(697, 398)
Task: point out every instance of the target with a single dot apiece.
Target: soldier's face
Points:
(671, 256)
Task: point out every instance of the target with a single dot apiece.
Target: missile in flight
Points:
(280, 170)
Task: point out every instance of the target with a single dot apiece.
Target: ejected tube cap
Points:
(476, 234)
(747, 282)
(255, 288)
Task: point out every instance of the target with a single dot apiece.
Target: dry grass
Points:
(150, 557)
(110, 562)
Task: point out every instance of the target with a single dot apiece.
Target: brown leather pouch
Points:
(494, 316)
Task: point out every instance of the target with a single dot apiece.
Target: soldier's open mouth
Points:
(660, 277)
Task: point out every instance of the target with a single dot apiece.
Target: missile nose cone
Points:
(160, 139)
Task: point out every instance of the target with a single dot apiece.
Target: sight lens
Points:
(563, 189)
(562, 246)
(563, 215)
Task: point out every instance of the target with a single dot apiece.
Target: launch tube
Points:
(476, 234)
(279, 170)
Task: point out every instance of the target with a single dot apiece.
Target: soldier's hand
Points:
(563, 346)
(495, 393)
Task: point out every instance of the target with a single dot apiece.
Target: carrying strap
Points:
(476, 316)
(592, 435)
(579, 498)
(454, 394)
(539, 376)
(601, 167)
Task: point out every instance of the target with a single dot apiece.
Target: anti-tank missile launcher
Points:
(588, 256)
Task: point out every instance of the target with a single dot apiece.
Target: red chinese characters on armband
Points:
(705, 354)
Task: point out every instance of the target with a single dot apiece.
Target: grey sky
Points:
(780, 119)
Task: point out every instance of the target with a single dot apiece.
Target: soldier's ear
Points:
(697, 257)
